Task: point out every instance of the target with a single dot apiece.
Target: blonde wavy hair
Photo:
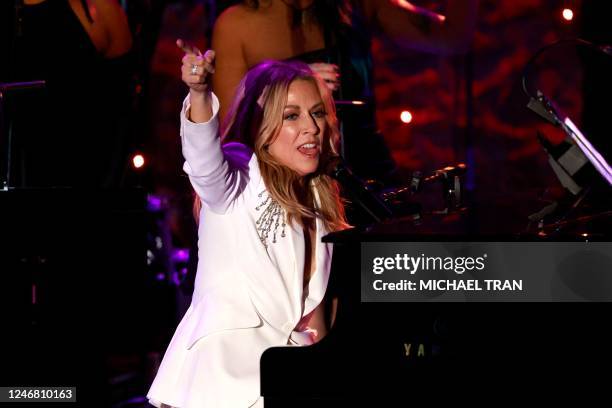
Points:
(255, 118)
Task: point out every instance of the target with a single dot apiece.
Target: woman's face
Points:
(298, 144)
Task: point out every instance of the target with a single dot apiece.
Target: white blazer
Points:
(248, 292)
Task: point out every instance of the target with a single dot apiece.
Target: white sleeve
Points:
(216, 177)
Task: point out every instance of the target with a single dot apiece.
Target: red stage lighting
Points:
(138, 161)
(568, 14)
(406, 116)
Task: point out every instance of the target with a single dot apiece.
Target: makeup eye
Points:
(291, 116)
(319, 114)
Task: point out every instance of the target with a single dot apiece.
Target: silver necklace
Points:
(271, 218)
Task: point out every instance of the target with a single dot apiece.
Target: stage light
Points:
(138, 161)
(406, 116)
(568, 14)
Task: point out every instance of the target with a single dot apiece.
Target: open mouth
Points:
(310, 150)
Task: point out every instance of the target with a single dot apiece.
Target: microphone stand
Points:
(359, 193)
(572, 155)
(543, 107)
(566, 165)
(452, 191)
(389, 204)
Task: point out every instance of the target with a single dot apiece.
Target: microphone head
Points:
(335, 166)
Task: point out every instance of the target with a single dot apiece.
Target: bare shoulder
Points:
(229, 28)
(238, 25)
(112, 18)
(108, 8)
(111, 12)
(235, 18)
(228, 40)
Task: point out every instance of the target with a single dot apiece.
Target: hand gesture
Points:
(197, 69)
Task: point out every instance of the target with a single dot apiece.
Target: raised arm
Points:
(196, 72)
(230, 61)
(216, 175)
(416, 28)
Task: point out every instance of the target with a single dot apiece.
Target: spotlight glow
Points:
(406, 116)
(138, 161)
(568, 14)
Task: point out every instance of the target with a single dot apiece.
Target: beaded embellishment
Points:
(271, 218)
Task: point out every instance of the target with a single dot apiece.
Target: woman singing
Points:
(265, 204)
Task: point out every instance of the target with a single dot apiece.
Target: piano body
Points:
(396, 354)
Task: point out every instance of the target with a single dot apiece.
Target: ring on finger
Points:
(194, 69)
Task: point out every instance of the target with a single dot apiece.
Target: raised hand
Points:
(196, 72)
(197, 68)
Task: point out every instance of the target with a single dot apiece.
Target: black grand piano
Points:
(396, 354)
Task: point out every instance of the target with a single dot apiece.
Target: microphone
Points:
(357, 190)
